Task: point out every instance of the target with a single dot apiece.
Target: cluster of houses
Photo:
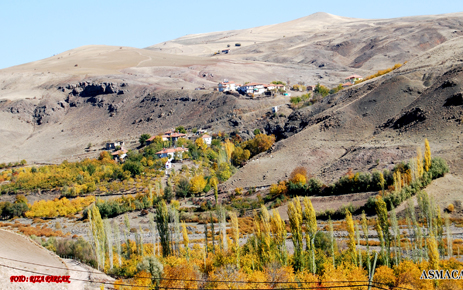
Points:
(260, 88)
(119, 153)
(350, 80)
(249, 88)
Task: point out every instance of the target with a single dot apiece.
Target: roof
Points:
(353, 77)
(122, 151)
(171, 150)
(254, 84)
(177, 135)
(347, 84)
(151, 138)
(206, 136)
(226, 83)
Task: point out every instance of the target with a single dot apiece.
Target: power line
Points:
(174, 288)
(206, 281)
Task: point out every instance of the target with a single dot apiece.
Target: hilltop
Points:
(51, 109)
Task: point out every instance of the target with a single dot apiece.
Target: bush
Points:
(438, 168)
(135, 168)
(80, 249)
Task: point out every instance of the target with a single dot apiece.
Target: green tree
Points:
(97, 234)
(322, 90)
(180, 129)
(182, 188)
(162, 222)
(134, 167)
(143, 139)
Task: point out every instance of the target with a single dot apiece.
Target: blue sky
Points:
(31, 30)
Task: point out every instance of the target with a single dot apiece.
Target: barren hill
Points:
(372, 125)
(51, 109)
(325, 41)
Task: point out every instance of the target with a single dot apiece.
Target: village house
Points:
(119, 155)
(226, 86)
(253, 88)
(207, 139)
(353, 78)
(113, 145)
(170, 152)
(169, 135)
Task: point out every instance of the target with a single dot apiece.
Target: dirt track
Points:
(20, 255)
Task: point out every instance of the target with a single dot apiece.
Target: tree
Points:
(229, 148)
(143, 139)
(182, 188)
(427, 155)
(311, 229)
(197, 184)
(240, 156)
(134, 167)
(295, 223)
(162, 222)
(260, 143)
(224, 172)
(351, 232)
(180, 129)
(214, 182)
(201, 144)
(97, 234)
(322, 90)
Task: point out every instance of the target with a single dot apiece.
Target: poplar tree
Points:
(449, 237)
(433, 252)
(97, 235)
(117, 236)
(127, 236)
(427, 155)
(175, 221)
(186, 241)
(330, 226)
(222, 215)
(162, 223)
(207, 243)
(109, 242)
(419, 162)
(365, 236)
(278, 229)
(153, 232)
(311, 229)
(395, 229)
(357, 234)
(235, 231)
(381, 211)
(295, 222)
(213, 234)
(351, 231)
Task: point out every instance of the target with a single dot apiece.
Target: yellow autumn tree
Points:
(427, 155)
(351, 232)
(197, 184)
(200, 144)
(229, 148)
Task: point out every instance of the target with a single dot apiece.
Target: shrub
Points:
(450, 208)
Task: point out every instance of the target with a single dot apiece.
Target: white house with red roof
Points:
(226, 86)
(119, 155)
(353, 78)
(207, 139)
(170, 152)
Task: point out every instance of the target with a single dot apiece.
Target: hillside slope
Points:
(373, 125)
